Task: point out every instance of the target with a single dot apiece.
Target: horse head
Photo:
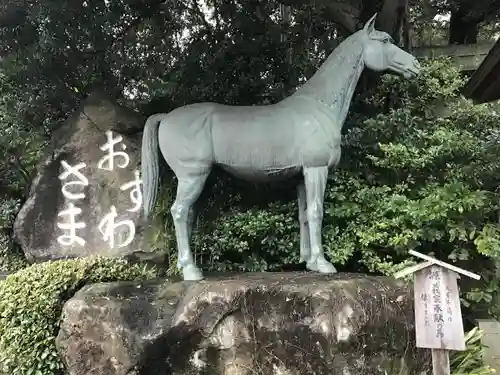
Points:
(380, 53)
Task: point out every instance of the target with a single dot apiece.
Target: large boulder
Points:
(267, 323)
(83, 200)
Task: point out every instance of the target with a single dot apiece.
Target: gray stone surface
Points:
(491, 339)
(267, 323)
(79, 140)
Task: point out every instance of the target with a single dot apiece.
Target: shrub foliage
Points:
(31, 305)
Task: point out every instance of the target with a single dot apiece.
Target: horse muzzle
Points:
(412, 70)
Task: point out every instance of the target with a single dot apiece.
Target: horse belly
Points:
(253, 149)
(258, 175)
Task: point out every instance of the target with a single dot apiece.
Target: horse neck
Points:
(335, 81)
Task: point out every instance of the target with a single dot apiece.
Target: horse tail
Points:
(150, 168)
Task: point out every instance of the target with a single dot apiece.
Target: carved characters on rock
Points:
(135, 191)
(86, 197)
(107, 226)
(70, 226)
(114, 233)
(107, 162)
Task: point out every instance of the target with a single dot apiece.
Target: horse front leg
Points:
(305, 241)
(315, 181)
(189, 189)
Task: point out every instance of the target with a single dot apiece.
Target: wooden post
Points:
(440, 362)
(438, 318)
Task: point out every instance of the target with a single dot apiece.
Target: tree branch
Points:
(351, 15)
(429, 9)
(344, 13)
(392, 18)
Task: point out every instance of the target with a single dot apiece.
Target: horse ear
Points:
(370, 25)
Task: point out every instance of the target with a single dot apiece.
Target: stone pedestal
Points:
(265, 323)
(491, 338)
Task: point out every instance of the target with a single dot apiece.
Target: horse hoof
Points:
(324, 266)
(304, 258)
(321, 266)
(312, 266)
(192, 273)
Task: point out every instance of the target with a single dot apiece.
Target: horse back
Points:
(276, 139)
(254, 138)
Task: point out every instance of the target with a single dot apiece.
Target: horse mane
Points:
(342, 61)
(335, 81)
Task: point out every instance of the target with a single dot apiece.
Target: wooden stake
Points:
(438, 317)
(445, 265)
(440, 362)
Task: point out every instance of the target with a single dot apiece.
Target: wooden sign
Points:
(438, 319)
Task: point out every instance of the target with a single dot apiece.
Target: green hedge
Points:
(11, 257)
(31, 302)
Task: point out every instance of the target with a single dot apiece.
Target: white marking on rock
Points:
(280, 370)
(342, 325)
(326, 327)
(196, 361)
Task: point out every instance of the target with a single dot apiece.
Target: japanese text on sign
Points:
(438, 318)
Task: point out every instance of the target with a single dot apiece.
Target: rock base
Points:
(266, 323)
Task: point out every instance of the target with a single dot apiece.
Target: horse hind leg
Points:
(305, 241)
(189, 188)
(315, 181)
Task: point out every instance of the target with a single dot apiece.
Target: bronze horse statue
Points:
(299, 135)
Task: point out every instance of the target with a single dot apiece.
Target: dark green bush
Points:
(251, 240)
(11, 258)
(31, 301)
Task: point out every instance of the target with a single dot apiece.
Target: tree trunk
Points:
(352, 15)
(369, 8)
(289, 83)
(392, 18)
(463, 27)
